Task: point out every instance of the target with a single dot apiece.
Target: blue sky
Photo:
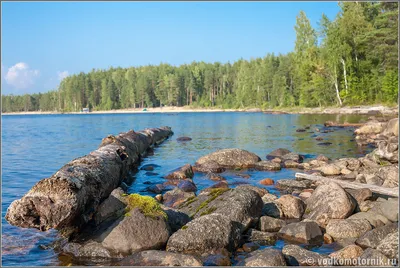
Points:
(42, 42)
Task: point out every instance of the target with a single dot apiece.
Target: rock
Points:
(290, 164)
(291, 206)
(111, 208)
(149, 167)
(267, 182)
(300, 130)
(277, 153)
(264, 258)
(261, 238)
(366, 205)
(268, 198)
(135, 232)
(319, 138)
(159, 258)
(390, 174)
(187, 186)
(260, 191)
(302, 232)
(370, 128)
(389, 246)
(206, 234)
(372, 257)
(348, 228)
(277, 160)
(215, 177)
(208, 167)
(373, 180)
(328, 201)
(184, 139)
(221, 184)
(91, 249)
(175, 218)
(328, 239)
(361, 178)
(291, 185)
(267, 165)
(304, 166)
(185, 172)
(392, 127)
(322, 158)
(324, 143)
(158, 198)
(345, 171)
(241, 205)
(293, 157)
(388, 208)
(156, 188)
(176, 197)
(250, 246)
(272, 209)
(269, 224)
(298, 256)
(360, 195)
(316, 163)
(347, 255)
(217, 260)
(374, 219)
(230, 158)
(374, 237)
(305, 195)
(330, 169)
(351, 176)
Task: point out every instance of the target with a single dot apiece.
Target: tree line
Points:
(350, 60)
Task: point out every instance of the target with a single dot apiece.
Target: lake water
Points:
(36, 146)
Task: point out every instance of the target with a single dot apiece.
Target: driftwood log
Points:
(68, 199)
(351, 185)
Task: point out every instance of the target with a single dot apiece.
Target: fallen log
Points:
(351, 185)
(345, 124)
(67, 200)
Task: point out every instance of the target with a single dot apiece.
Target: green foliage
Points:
(147, 205)
(350, 60)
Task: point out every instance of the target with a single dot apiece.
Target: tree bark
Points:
(344, 73)
(337, 88)
(67, 200)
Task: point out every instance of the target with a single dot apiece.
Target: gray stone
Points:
(159, 258)
(298, 256)
(291, 206)
(374, 219)
(111, 208)
(264, 258)
(373, 257)
(302, 232)
(90, 249)
(388, 208)
(348, 228)
(267, 165)
(176, 197)
(374, 237)
(389, 246)
(262, 238)
(230, 158)
(272, 209)
(269, 224)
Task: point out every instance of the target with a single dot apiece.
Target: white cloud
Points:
(62, 75)
(21, 76)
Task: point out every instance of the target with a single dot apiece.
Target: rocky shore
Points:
(222, 226)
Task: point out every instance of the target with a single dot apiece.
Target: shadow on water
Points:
(35, 146)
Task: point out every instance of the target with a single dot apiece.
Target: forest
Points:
(351, 60)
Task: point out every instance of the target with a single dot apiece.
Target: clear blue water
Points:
(36, 146)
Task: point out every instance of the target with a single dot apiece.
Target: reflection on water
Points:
(36, 146)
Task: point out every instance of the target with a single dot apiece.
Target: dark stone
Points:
(187, 186)
(302, 232)
(324, 143)
(184, 139)
(298, 256)
(185, 172)
(264, 258)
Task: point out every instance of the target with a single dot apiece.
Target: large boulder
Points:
(386, 151)
(298, 256)
(230, 158)
(264, 258)
(373, 257)
(302, 232)
(241, 205)
(176, 197)
(269, 224)
(267, 165)
(291, 206)
(206, 234)
(373, 238)
(347, 255)
(136, 231)
(330, 170)
(111, 208)
(175, 218)
(388, 208)
(328, 201)
(392, 127)
(348, 228)
(374, 219)
(159, 258)
(390, 174)
(88, 250)
(389, 246)
(278, 153)
(371, 127)
(293, 157)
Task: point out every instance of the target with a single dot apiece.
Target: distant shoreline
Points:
(367, 110)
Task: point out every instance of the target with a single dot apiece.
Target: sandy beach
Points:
(384, 110)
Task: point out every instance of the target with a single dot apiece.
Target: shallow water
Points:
(36, 146)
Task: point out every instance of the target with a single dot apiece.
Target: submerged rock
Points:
(184, 139)
(160, 258)
(230, 158)
(206, 234)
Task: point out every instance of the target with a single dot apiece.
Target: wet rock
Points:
(206, 234)
(272, 209)
(291, 185)
(221, 184)
(185, 172)
(374, 237)
(267, 182)
(187, 186)
(269, 224)
(91, 249)
(372, 257)
(215, 177)
(208, 167)
(298, 256)
(300, 130)
(184, 139)
(149, 167)
(176, 197)
(348, 228)
(159, 258)
(267, 165)
(261, 238)
(149, 173)
(156, 188)
(111, 208)
(230, 158)
(374, 219)
(241, 205)
(135, 232)
(302, 232)
(264, 258)
(347, 254)
(324, 143)
(328, 201)
(291, 206)
(389, 246)
(319, 138)
(278, 153)
(331, 169)
(290, 164)
(250, 246)
(322, 158)
(217, 260)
